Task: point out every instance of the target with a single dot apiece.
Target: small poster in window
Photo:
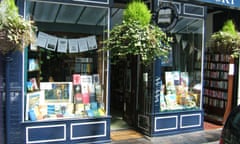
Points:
(73, 45)
(92, 42)
(62, 45)
(51, 43)
(42, 39)
(83, 46)
(57, 92)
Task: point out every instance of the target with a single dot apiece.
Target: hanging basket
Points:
(6, 45)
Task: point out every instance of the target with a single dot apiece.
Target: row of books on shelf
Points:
(83, 65)
(216, 84)
(85, 68)
(217, 57)
(216, 66)
(216, 74)
(215, 102)
(215, 93)
(67, 110)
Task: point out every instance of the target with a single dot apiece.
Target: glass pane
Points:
(181, 73)
(66, 76)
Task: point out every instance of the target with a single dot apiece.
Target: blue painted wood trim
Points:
(176, 122)
(88, 2)
(92, 130)
(2, 102)
(14, 97)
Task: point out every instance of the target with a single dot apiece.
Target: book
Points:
(32, 115)
(34, 84)
(76, 79)
(33, 64)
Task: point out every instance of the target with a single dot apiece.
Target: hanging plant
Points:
(227, 40)
(137, 36)
(15, 31)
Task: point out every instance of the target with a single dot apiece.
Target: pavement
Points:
(200, 137)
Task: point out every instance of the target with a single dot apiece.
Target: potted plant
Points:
(15, 31)
(227, 40)
(137, 36)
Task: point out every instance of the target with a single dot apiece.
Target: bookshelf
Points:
(217, 87)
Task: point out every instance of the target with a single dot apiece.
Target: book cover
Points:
(32, 115)
(33, 64)
(86, 79)
(33, 100)
(79, 108)
(76, 79)
(34, 84)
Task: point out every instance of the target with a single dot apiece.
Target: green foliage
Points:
(137, 11)
(19, 31)
(227, 40)
(229, 27)
(131, 38)
(137, 37)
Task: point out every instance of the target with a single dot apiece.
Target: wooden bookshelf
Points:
(217, 87)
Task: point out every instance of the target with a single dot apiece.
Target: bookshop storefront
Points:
(173, 103)
(169, 95)
(170, 98)
(60, 94)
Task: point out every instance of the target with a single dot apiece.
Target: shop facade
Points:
(58, 90)
(168, 97)
(178, 98)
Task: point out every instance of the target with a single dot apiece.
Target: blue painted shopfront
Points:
(154, 118)
(16, 127)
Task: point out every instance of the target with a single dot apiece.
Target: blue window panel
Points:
(166, 123)
(50, 133)
(88, 130)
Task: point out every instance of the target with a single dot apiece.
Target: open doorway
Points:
(123, 94)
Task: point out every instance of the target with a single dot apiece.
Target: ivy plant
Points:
(137, 36)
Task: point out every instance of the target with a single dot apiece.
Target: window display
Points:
(176, 81)
(65, 74)
(181, 80)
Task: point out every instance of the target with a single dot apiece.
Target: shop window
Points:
(181, 73)
(65, 73)
(177, 81)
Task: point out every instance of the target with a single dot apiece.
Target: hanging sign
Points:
(166, 16)
(229, 3)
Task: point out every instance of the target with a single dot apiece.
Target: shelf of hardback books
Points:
(216, 70)
(65, 85)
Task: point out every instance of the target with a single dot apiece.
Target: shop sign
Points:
(95, 1)
(104, 2)
(230, 3)
(166, 16)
